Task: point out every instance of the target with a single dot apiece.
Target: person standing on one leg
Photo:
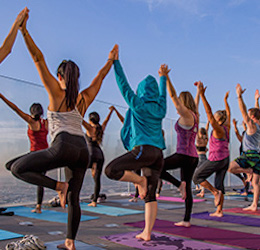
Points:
(218, 159)
(249, 161)
(66, 110)
(142, 137)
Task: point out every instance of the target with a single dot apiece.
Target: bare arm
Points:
(121, 118)
(238, 135)
(104, 124)
(257, 96)
(90, 93)
(88, 127)
(23, 115)
(218, 131)
(8, 43)
(50, 83)
(197, 97)
(207, 126)
(227, 123)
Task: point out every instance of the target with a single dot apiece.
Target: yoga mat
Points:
(212, 235)
(6, 235)
(177, 199)
(79, 245)
(236, 219)
(162, 242)
(228, 197)
(166, 206)
(48, 215)
(241, 211)
(112, 211)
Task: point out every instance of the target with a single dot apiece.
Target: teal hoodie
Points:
(147, 108)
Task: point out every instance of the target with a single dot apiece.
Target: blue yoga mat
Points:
(161, 205)
(79, 245)
(235, 219)
(6, 235)
(112, 211)
(48, 215)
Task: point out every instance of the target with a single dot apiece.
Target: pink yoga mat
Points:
(213, 235)
(176, 199)
(239, 210)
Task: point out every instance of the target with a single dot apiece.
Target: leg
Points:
(135, 198)
(40, 193)
(150, 217)
(256, 188)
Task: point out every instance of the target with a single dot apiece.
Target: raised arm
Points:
(104, 124)
(251, 127)
(257, 96)
(90, 93)
(238, 135)
(197, 97)
(88, 127)
(218, 131)
(227, 123)
(50, 83)
(18, 111)
(8, 43)
(207, 126)
(121, 118)
(181, 109)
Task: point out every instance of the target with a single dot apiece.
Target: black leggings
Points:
(187, 164)
(40, 193)
(96, 156)
(66, 150)
(148, 158)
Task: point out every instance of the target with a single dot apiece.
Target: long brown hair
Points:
(69, 71)
(187, 100)
(95, 118)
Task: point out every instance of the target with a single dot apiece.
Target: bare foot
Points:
(62, 188)
(70, 244)
(217, 197)
(157, 195)
(182, 224)
(133, 199)
(216, 214)
(143, 236)
(62, 246)
(37, 210)
(142, 187)
(201, 194)
(249, 176)
(252, 208)
(92, 204)
(182, 189)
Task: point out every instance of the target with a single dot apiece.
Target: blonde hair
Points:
(222, 116)
(187, 100)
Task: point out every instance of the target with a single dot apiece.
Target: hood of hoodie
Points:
(148, 89)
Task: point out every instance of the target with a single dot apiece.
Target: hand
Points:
(21, 16)
(163, 71)
(257, 95)
(111, 108)
(198, 84)
(239, 90)
(234, 122)
(113, 54)
(201, 87)
(226, 95)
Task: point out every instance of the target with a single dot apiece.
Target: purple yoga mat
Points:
(162, 242)
(236, 219)
(176, 199)
(220, 236)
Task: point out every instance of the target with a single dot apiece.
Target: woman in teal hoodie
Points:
(142, 137)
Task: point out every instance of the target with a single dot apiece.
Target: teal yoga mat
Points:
(108, 210)
(79, 245)
(6, 235)
(48, 215)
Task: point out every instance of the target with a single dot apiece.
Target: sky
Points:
(217, 42)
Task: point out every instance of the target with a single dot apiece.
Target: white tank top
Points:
(70, 122)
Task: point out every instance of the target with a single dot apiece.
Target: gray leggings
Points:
(66, 150)
(148, 158)
(207, 168)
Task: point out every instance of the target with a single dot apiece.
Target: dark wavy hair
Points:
(95, 118)
(36, 111)
(69, 71)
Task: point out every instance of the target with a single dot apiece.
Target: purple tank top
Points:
(186, 139)
(218, 148)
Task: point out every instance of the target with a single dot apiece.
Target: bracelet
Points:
(25, 33)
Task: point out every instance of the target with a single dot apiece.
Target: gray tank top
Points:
(252, 142)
